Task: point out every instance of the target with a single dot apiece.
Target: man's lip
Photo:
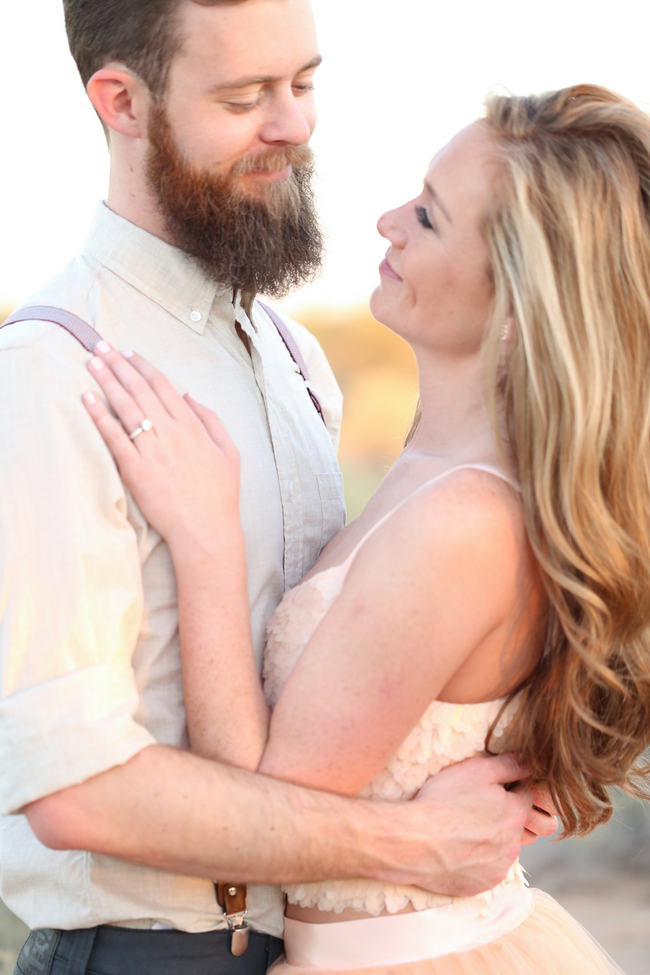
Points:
(388, 271)
(271, 175)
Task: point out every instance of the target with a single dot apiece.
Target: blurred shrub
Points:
(377, 373)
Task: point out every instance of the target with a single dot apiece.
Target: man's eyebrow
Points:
(436, 199)
(264, 79)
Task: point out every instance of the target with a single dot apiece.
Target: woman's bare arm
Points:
(428, 588)
(394, 637)
(184, 474)
(211, 593)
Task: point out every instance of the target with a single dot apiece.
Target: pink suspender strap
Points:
(76, 326)
(295, 354)
(88, 337)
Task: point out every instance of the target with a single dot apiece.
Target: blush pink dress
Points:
(509, 930)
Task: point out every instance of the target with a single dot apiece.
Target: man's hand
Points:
(542, 819)
(464, 829)
(171, 810)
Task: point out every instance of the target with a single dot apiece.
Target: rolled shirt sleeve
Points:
(71, 600)
(90, 669)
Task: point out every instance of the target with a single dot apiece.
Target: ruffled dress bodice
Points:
(446, 733)
(509, 930)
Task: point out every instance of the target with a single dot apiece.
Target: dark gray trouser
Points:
(123, 951)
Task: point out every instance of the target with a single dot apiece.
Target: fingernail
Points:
(96, 363)
(89, 398)
(102, 346)
(127, 353)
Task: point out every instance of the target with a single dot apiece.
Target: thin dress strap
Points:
(488, 468)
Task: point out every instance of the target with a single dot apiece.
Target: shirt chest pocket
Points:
(312, 515)
(332, 505)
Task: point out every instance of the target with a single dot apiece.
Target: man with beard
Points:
(208, 107)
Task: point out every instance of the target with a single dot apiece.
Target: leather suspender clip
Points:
(232, 900)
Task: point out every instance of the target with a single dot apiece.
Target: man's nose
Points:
(287, 122)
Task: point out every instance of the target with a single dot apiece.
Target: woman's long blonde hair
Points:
(569, 239)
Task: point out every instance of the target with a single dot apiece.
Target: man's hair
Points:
(142, 34)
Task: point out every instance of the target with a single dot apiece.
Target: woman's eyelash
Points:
(423, 218)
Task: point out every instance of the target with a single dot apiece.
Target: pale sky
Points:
(399, 78)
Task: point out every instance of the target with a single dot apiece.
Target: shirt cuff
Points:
(64, 731)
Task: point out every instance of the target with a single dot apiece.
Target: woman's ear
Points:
(507, 329)
(120, 99)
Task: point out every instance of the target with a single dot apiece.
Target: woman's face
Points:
(435, 289)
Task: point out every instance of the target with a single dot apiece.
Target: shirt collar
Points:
(165, 274)
(246, 321)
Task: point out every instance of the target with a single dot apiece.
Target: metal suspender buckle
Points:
(232, 899)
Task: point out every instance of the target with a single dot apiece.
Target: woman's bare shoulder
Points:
(469, 503)
(462, 531)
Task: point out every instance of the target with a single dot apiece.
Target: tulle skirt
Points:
(548, 942)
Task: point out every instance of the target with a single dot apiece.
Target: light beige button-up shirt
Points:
(89, 660)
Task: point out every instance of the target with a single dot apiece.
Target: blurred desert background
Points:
(604, 879)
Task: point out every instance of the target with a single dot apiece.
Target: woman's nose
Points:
(389, 226)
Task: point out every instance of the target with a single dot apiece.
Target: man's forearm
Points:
(175, 811)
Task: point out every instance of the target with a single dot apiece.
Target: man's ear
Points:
(120, 99)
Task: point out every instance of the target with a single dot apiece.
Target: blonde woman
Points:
(496, 589)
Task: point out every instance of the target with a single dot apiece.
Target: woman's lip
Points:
(387, 270)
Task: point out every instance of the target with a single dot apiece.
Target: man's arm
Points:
(172, 810)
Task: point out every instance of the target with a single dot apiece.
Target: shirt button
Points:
(195, 315)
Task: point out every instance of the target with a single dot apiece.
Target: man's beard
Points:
(268, 243)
